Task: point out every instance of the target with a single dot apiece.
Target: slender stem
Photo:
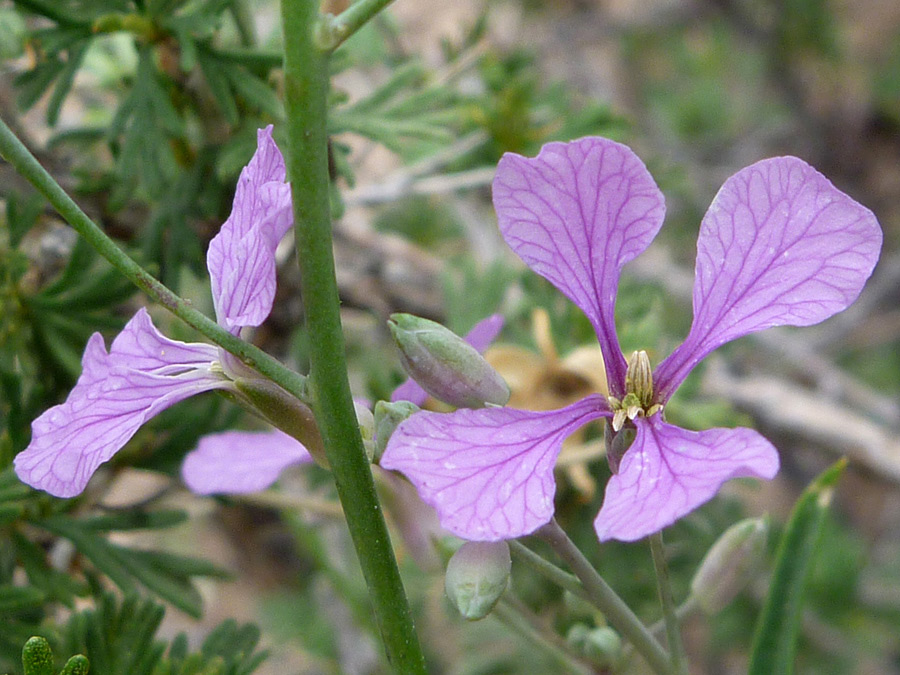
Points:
(12, 149)
(515, 617)
(673, 631)
(548, 570)
(616, 611)
(306, 91)
(337, 29)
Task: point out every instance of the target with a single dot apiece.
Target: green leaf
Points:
(17, 598)
(64, 83)
(775, 642)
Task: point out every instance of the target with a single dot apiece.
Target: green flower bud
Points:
(476, 577)
(601, 646)
(366, 421)
(730, 564)
(284, 411)
(388, 416)
(37, 657)
(445, 365)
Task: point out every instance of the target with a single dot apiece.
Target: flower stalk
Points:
(670, 616)
(306, 89)
(605, 598)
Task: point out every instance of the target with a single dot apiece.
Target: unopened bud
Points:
(730, 564)
(639, 378)
(284, 411)
(601, 646)
(445, 365)
(476, 577)
(388, 416)
(366, 421)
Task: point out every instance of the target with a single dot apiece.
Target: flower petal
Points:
(779, 246)
(241, 257)
(576, 214)
(669, 471)
(487, 472)
(109, 403)
(238, 462)
(481, 336)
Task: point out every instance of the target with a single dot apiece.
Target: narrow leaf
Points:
(775, 642)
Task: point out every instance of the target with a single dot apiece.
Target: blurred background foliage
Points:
(147, 109)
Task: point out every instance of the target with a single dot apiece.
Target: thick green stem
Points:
(673, 631)
(12, 149)
(306, 90)
(334, 30)
(605, 599)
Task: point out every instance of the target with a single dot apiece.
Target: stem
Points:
(673, 632)
(12, 149)
(515, 616)
(548, 570)
(306, 92)
(335, 30)
(605, 599)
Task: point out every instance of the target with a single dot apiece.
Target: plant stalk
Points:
(670, 616)
(605, 598)
(306, 81)
(335, 30)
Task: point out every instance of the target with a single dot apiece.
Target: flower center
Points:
(638, 399)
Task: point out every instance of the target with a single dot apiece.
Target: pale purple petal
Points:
(238, 462)
(779, 246)
(576, 214)
(487, 472)
(109, 403)
(142, 347)
(241, 257)
(481, 336)
(669, 471)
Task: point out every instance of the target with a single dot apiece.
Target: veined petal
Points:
(109, 403)
(669, 471)
(487, 472)
(238, 462)
(576, 214)
(241, 257)
(779, 246)
(480, 337)
(142, 347)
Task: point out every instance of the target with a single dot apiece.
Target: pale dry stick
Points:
(784, 405)
(410, 186)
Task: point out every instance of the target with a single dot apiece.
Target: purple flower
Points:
(780, 245)
(145, 372)
(238, 462)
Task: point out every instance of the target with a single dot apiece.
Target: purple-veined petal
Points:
(669, 471)
(109, 403)
(241, 257)
(779, 246)
(576, 214)
(481, 336)
(238, 462)
(142, 347)
(487, 472)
